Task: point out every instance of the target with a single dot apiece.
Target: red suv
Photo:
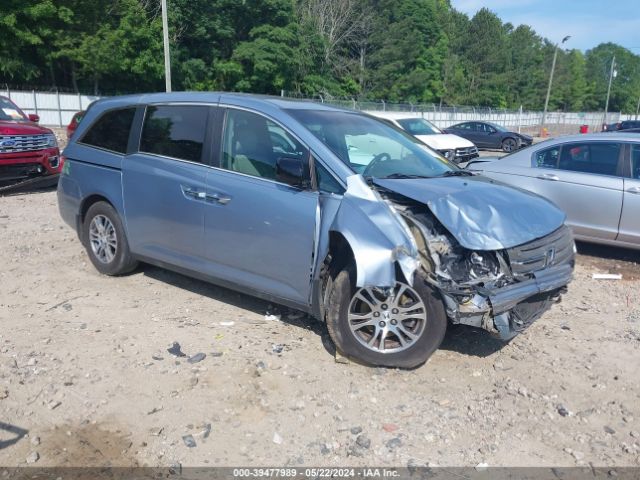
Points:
(73, 124)
(28, 152)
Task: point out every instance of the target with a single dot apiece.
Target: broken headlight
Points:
(464, 266)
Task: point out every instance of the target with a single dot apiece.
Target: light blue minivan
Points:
(325, 210)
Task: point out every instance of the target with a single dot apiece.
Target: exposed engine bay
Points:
(480, 288)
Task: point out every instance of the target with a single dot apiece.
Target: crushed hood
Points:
(480, 213)
(445, 141)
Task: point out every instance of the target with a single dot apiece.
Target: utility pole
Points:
(612, 73)
(167, 55)
(638, 108)
(553, 67)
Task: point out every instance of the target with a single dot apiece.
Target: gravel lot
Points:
(86, 378)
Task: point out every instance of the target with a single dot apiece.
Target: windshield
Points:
(371, 147)
(419, 126)
(9, 111)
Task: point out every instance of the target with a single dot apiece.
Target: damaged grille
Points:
(554, 249)
(23, 143)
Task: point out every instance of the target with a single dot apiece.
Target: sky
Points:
(589, 22)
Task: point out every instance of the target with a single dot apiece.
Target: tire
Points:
(341, 301)
(114, 258)
(509, 145)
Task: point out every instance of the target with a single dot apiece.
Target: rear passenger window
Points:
(599, 158)
(111, 131)
(175, 131)
(547, 158)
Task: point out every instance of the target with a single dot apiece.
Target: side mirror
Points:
(34, 118)
(291, 171)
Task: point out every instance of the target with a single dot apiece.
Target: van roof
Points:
(218, 97)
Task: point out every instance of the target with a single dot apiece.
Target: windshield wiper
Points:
(403, 175)
(458, 173)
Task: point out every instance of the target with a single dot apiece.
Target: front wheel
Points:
(509, 145)
(397, 327)
(105, 240)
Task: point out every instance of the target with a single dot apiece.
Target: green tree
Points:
(625, 88)
(26, 33)
(487, 53)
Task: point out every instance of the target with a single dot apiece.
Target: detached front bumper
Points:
(508, 310)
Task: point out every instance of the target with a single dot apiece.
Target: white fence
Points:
(54, 108)
(521, 121)
(445, 116)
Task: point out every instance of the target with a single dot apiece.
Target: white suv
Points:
(452, 147)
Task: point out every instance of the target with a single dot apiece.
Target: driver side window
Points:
(253, 143)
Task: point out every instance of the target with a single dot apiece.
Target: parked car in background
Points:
(623, 125)
(487, 135)
(73, 124)
(452, 147)
(629, 124)
(329, 211)
(610, 127)
(28, 151)
(594, 178)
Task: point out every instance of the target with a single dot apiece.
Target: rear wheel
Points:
(397, 327)
(509, 145)
(105, 240)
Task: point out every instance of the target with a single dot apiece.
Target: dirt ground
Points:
(86, 378)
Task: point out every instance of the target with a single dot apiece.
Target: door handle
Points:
(549, 176)
(193, 193)
(218, 198)
(635, 190)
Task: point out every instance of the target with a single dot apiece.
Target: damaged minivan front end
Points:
(480, 288)
(427, 244)
(501, 278)
(498, 280)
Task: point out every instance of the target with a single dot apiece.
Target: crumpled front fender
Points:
(377, 235)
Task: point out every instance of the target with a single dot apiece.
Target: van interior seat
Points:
(253, 152)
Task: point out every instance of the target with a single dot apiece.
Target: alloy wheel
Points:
(387, 321)
(103, 239)
(509, 145)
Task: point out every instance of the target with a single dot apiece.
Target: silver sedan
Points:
(594, 178)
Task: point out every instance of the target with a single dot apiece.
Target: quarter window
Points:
(176, 131)
(252, 144)
(111, 131)
(597, 157)
(326, 182)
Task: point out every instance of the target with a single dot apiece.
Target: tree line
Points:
(419, 51)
